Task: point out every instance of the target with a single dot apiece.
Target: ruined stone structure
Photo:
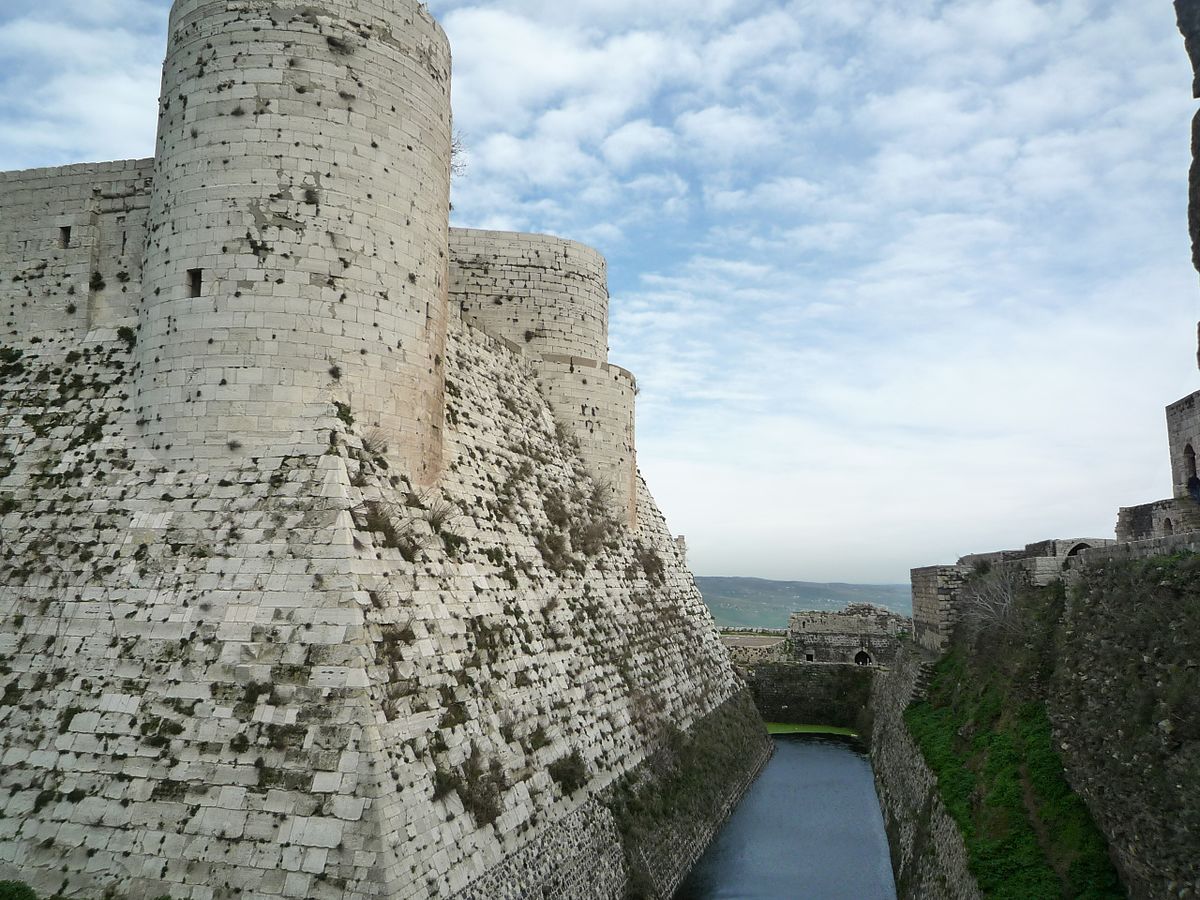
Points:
(750, 648)
(326, 568)
(860, 635)
(1181, 513)
(937, 590)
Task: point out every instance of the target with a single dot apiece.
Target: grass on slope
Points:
(986, 735)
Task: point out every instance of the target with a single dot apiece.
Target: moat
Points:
(809, 827)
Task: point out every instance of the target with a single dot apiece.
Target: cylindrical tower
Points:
(544, 293)
(297, 239)
(549, 297)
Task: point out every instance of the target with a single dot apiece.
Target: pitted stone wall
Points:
(929, 858)
(543, 293)
(935, 596)
(303, 170)
(282, 679)
(596, 400)
(71, 246)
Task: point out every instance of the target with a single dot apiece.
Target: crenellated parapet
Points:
(296, 250)
(549, 298)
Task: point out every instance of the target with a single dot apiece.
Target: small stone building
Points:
(861, 634)
(1181, 513)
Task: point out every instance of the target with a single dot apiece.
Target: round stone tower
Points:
(297, 241)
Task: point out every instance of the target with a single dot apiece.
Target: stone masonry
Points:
(861, 634)
(549, 297)
(935, 611)
(312, 583)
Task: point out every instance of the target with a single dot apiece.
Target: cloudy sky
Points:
(900, 279)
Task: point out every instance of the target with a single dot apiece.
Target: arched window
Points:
(1168, 526)
(863, 658)
(1189, 462)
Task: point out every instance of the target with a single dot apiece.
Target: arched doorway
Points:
(862, 658)
(1168, 526)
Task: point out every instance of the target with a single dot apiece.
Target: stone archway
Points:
(862, 658)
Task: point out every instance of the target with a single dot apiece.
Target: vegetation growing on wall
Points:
(684, 783)
(985, 732)
(797, 693)
(1124, 695)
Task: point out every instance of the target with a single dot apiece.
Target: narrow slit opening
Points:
(64, 237)
(195, 282)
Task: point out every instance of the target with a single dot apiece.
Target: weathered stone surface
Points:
(309, 587)
(1122, 701)
(861, 634)
(813, 695)
(929, 858)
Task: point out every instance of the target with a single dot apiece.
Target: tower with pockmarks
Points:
(296, 245)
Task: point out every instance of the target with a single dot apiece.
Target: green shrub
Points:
(16, 890)
(570, 772)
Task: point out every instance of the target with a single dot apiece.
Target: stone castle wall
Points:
(546, 294)
(301, 676)
(305, 590)
(549, 297)
(935, 592)
(71, 247)
(298, 228)
(596, 400)
(929, 858)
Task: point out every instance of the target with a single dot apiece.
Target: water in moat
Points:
(809, 829)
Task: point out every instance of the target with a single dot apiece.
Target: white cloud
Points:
(636, 142)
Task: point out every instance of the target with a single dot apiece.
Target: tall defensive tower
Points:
(297, 237)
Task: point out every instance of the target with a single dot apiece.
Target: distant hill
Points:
(759, 603)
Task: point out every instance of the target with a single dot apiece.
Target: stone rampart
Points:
(935, 598)
(282, 680)
(298, 227)
(544, 293)
(1162, 519)
(71, 247)
(305, 591)
(929, 858)
(596, 401)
